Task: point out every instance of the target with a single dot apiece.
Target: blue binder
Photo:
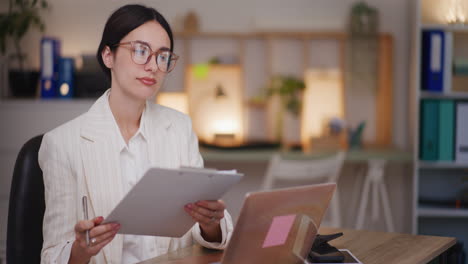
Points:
(433, 60)
(50, 55)
(66, 71)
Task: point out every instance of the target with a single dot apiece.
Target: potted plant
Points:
(289, 89)
(22, 15)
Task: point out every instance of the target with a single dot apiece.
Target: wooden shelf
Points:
(338, 35)
(256, 105)
(237, 35)
(427, 211)
(305, 35)
(453, 28)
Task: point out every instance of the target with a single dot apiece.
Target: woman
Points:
(102, 153)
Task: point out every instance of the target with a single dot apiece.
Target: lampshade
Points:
(323, 100)
(456, 12)
(177, 101)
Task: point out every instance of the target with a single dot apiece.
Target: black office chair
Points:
(27, 205)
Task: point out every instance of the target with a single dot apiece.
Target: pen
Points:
(85, 214)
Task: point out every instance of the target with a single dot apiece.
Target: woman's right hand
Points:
(99, 237)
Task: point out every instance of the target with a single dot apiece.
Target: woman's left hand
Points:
(208, 214)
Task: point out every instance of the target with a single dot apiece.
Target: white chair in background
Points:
(373, 190)
(320, 169)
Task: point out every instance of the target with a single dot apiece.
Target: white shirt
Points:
(134, 162)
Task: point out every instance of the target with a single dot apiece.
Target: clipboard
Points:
(155, 205)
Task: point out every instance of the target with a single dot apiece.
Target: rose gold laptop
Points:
(278, 226)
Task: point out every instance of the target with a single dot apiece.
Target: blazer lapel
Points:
(101, 163)
(160, 140)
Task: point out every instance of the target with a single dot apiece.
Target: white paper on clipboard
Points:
(155, 205)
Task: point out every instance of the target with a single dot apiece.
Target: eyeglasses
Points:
(142, 53)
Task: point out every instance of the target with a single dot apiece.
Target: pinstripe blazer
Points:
(82, 157)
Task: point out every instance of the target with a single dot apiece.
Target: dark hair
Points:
(124, 20)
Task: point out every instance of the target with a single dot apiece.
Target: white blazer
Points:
(81, 157)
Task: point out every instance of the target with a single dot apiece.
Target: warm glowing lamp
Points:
(323, 100)
(175, 100)
(215, 103)
(456, 12)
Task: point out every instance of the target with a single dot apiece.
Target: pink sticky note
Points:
(279, 230)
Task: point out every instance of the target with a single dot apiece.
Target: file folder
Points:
(446, 130)
(66, 78)
(50, 55)
(429, 130)
(448, 62)
(433, 60)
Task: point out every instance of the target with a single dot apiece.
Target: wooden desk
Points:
(368, 246)
(382, 247)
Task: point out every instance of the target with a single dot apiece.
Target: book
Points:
(446, 130)
(433, 59)
(429, 130)
(50, 55)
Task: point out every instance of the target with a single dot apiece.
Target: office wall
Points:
(79, 24)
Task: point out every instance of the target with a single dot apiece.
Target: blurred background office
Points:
(305, 79)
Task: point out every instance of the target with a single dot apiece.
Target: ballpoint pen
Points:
(85, 214)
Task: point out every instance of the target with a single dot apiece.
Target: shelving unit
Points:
(453, 28)
(258, 54)
(261, 49)
(435, 180)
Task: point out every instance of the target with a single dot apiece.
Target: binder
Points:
(50, 55)
(448, 62)
(429, 130)
(446, 130)
(432, 68)
(461, 145)
(66, 78)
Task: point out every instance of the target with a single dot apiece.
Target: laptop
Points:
(278, 226)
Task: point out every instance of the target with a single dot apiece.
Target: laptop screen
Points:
(278, 226)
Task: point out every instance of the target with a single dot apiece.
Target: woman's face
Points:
(138, 81)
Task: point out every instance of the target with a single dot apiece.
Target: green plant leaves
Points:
(289, 89)
(21, 17)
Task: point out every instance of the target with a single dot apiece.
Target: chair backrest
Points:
(327, 168)
(323, 169)
(27, 206)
